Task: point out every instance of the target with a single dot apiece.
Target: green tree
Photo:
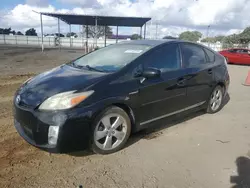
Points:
(92, 32)
(31, 32)
(209, 39)
(192, 36)
(169, 37)
(197, 33)
(135, 37)
(219, 38)
(19, 33)
(5, 31)
(244, 37)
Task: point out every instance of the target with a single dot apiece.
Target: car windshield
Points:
(111, 58)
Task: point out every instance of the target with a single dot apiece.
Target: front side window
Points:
(232, 50)
(111, 58)
(243, 51)
(165, 58)
(193, 55)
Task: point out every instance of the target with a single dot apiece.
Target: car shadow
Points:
(77, 149)
(150, 133)
(156, 130)
(81, 153)
(226, 100)
(243, 169)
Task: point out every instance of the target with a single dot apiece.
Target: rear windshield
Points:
(112, 58)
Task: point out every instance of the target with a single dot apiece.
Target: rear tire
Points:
(215, 101)
(110, 131)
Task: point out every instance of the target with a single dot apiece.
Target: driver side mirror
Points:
(149, 73)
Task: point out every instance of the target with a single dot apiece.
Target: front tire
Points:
(215, 101)
(111, 130)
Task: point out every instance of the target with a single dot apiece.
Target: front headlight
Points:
(64, 100)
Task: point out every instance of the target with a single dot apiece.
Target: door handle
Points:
(210, 71)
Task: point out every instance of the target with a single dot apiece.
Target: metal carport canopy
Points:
(78, 19)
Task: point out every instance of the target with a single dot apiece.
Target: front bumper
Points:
(33, 126)
(22, 132)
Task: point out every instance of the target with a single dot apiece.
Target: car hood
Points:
(60, 79)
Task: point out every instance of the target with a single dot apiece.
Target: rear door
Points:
(165, 94)
(234, 56)
(245, 56)
(199, 72)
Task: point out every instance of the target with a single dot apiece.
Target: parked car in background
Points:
(237, 55)
(104, 96)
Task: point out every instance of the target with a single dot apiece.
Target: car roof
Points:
(152, 43)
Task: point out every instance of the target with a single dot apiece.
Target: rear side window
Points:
(193, 55)
(210, 55)
(165, 58)
(243, 51)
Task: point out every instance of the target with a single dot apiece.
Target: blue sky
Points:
(8, 4)
(12, 3)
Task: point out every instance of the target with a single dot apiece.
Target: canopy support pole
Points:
(82, 27)
(116, 34)
(156, 30)
(59, 34)
(145, 30)
(105, 33)
(87, 38)
(141, 32)
(96, 30)
(70, 42)
(41, 18)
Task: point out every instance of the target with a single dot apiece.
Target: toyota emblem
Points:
(18, 99)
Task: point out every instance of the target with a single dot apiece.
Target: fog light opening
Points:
(53, 135)
(59, 119)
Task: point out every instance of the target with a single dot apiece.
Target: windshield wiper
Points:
(76, 66)
(92, 68)
(86, 66)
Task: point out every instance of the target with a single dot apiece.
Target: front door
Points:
(199, 73)
(245, 56)
(164, 95)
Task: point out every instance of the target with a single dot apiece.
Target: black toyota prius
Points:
(102, 97)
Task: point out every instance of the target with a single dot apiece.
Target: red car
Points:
(237, 55)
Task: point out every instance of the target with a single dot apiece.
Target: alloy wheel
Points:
(110, 131)
(216, 99)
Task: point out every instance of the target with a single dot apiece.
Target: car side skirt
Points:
(173, 113)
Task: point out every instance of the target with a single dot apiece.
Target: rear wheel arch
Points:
(222, 85)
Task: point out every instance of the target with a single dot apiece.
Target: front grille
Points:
(27, 131)
(31, 126)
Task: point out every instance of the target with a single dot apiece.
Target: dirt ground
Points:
(201, 151)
